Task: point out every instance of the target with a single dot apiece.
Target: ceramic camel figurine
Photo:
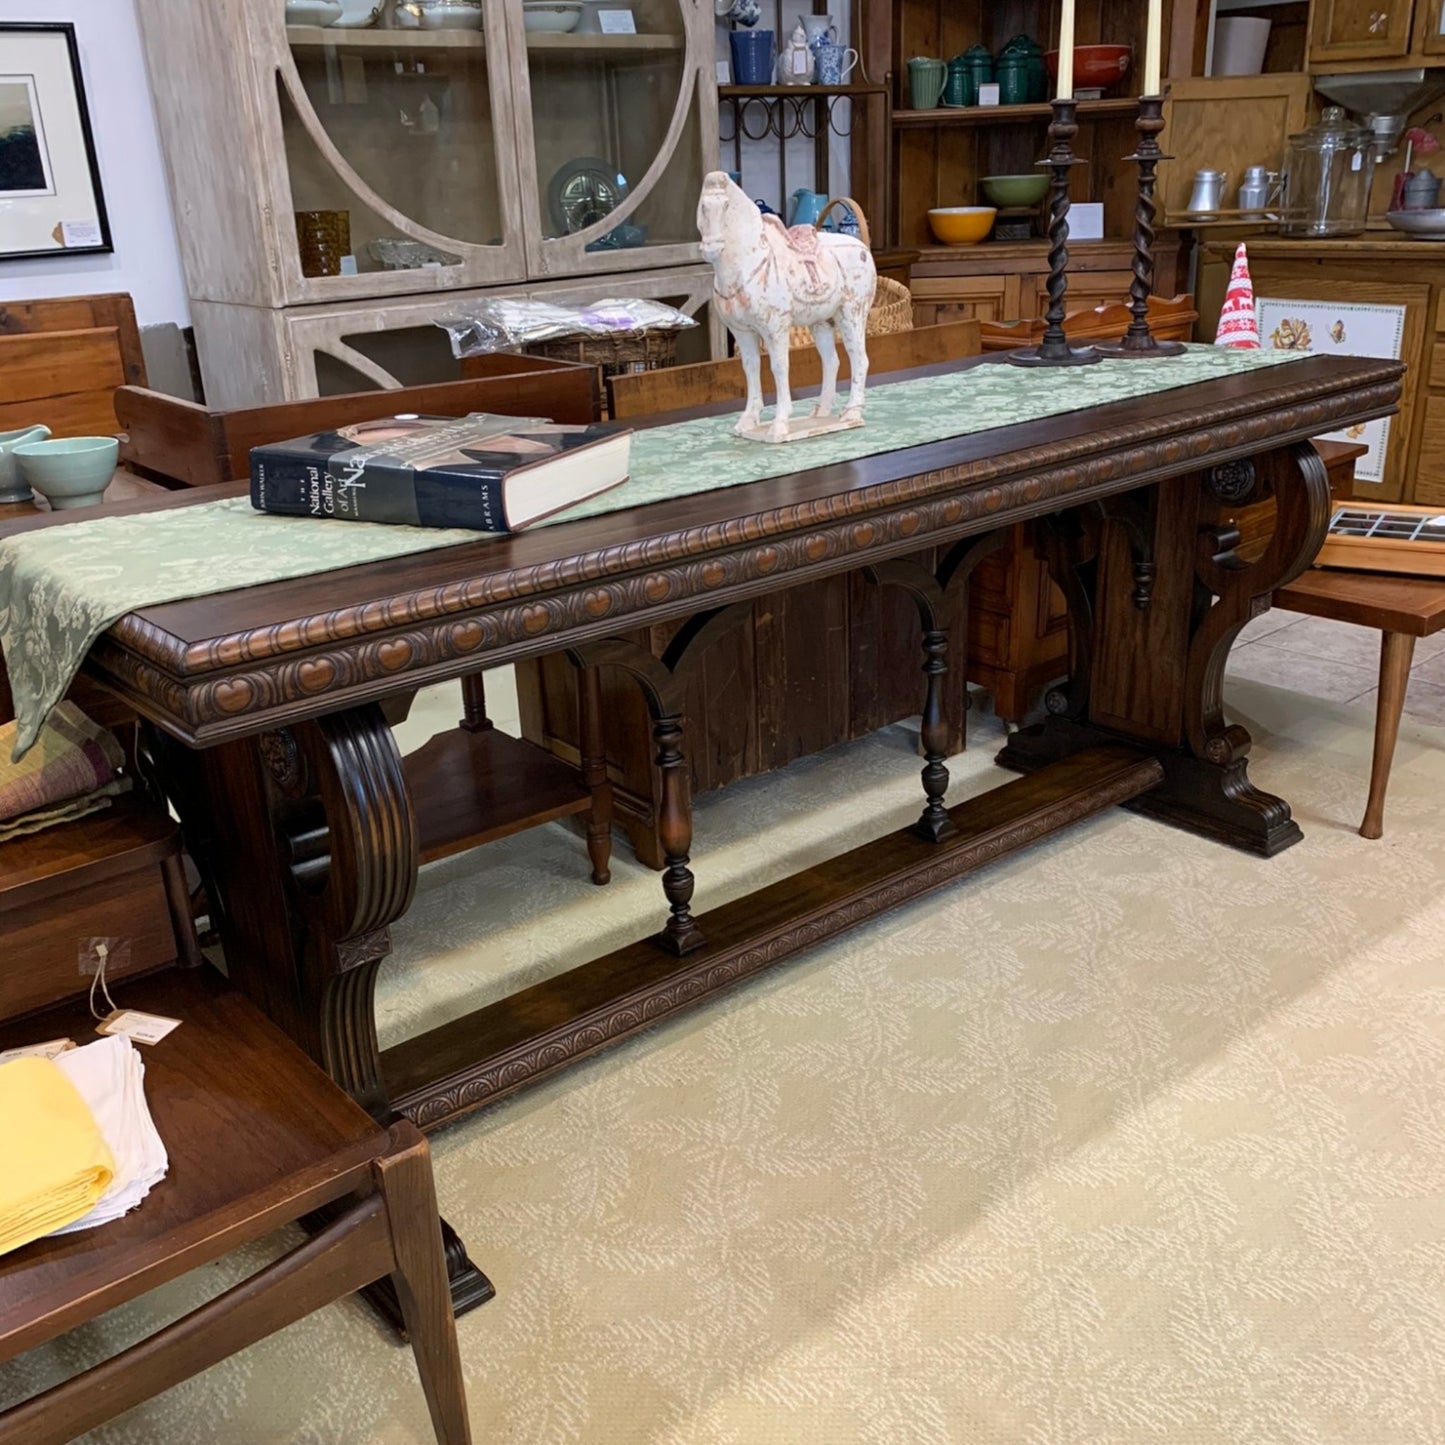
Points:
(768, 279)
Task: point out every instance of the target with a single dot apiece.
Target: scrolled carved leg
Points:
(311, 852)
(1158, 673)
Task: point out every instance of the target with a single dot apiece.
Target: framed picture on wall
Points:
(50, 196)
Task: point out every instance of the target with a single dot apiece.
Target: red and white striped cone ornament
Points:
(1238, 325)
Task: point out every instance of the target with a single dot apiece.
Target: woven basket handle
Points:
(857, 211)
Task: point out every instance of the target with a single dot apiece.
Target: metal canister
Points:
(1207, 193)
(1254, 189)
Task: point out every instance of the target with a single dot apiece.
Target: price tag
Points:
(50, 1049)
(140, 1028)
(80, 233)
(616, 22)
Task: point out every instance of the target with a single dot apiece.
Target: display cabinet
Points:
(362, 161)
(292, 353)
(1362, 29)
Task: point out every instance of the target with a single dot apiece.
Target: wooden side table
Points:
(1403, 608)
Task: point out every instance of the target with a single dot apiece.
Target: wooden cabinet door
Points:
(1226, 123)
(1360, 29)
(1430, 28)
(958, 298)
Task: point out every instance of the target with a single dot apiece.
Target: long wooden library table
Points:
(266, 704)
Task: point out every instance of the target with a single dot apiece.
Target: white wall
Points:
(145, 261)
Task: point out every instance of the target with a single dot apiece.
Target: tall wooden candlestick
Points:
(1139, 340)
(1053, 348)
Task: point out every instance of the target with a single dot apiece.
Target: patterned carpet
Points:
(1133, 1139)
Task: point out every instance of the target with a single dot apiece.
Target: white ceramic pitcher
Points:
(13, 487)
(819, 29)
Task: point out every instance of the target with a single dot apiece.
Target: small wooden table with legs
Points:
(1403, 608)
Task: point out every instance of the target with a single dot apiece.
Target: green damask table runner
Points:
(61, 587)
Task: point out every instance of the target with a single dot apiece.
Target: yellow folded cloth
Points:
(54, 1163)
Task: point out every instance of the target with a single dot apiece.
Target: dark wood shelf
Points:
(1108, 108)
(473, 788)
(762, 92)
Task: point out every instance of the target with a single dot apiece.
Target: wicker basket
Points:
(892, 308)
(616, 353)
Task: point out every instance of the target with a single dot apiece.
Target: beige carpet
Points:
(1131, 1139)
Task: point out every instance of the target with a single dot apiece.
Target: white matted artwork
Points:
(1339, 328)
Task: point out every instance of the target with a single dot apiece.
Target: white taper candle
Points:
(1152, 47)
(1066, 51)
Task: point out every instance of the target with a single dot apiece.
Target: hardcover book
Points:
(491, 473)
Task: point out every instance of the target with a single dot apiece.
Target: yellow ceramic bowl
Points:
(961, 225)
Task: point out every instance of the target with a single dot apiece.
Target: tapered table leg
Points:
(674, 829)
(1397, 651)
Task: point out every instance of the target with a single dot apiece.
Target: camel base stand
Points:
(799, 428)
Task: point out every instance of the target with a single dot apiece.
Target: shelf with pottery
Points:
(972, 115)
(316, 37)
(796, 92)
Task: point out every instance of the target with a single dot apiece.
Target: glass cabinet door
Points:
(400, 150)
(622, 112)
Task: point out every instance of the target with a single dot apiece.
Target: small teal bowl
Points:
(69, 471)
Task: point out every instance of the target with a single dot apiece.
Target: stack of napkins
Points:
(56, 1164)
(110, 1077)
(78, 1146)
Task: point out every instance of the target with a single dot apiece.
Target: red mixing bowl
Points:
(1095, 65)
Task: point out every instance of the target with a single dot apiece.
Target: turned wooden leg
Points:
(594, 773)
(404, 1180)
(674, 829)
(934, 822)
(474, 704)
(1397, 651)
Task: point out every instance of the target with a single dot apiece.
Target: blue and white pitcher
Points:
(819, 29)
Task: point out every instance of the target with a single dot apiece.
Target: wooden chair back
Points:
(61, 361)
(644, 393)
(182, 444)
(1170, 320)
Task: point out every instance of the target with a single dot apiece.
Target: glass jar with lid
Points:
(1328, 169)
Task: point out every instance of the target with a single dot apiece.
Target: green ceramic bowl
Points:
(1006, 191)
(69, 471)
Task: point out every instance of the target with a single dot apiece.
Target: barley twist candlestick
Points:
(1053, 348)
(1139, 340)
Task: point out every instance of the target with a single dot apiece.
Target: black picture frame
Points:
(81, 117)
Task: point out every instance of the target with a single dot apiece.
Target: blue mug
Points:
(752, 57)
(833, 64)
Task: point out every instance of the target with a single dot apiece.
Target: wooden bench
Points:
(258, 1137)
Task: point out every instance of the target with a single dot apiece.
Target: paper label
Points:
(50, 1049)
(80, 233)
(141, 1028)
(800, 62)
(616, 22)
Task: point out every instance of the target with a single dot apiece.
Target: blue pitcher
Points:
(807, 207)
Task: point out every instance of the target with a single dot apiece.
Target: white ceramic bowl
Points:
(452, 15)
(69, 471)
(1427, 225)
(313, 12)
(550, 17)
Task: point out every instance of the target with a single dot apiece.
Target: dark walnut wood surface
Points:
(234, 663)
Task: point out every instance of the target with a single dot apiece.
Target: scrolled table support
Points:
(1053, 348)
(1139, 340)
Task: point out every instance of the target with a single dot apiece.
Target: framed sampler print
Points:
(50, 196)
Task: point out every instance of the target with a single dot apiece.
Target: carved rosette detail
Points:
(1232, 482)
(283, 760)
